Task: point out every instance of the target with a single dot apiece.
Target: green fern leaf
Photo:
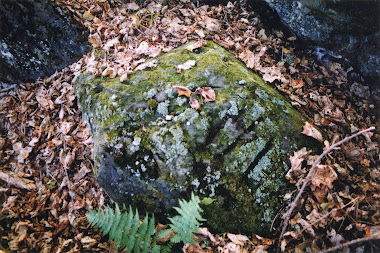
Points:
(124, 229)
(148, 235)
(141, 234)
(127, 226)
(189, 219)
(115, 222)
(132, 233)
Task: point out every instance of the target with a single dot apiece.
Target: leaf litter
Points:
(47, 183)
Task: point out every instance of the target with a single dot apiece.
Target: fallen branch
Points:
(317, 161)
(356, 241)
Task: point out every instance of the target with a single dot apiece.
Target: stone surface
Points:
(350, 29)
(36, 39)
(151, 147)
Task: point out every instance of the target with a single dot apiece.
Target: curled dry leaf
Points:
(296, 165)
(207, 93)
(194, 103)
(187, 65)
(310, 130)
(196, 45)
(182, 90)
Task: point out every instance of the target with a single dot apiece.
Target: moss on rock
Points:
(152, 147)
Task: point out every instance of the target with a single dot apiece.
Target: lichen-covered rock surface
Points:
(151, 147)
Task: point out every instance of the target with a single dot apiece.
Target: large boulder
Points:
(152, 147)
(348, 28)
(37, 39)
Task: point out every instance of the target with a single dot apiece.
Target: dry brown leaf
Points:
(211, 24)
(296, 165)
(66, 127)
(205, 232)
(111, 43)
(192, 248)
(198, 44)
(194, 103)
(95, 40)
(149, 64)
(311, 131)
(207, 92)
(133, 6)
(13, 179)
(88, 242)
(186, 65)
(182, 90)
(324, 175)
(238, 239)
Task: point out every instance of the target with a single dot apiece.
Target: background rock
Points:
(36, 39)
(347, 28)
(152, 147)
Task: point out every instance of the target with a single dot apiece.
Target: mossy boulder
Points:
(151, 147)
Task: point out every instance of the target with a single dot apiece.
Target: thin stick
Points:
(356, 241)
(317, 161)
(8, 88)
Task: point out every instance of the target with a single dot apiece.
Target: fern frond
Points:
(188, 220)
(124, 229)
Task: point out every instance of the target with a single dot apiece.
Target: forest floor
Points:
(47, 183)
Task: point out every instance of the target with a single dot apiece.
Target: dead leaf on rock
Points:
(206, 92)
(187, 65)
(150, 64)
(194, 103)
(198, 44)
(311, 131)
(182, 90)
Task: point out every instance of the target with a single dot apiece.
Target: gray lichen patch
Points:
(151, 147)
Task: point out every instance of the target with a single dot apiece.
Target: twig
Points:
(8, 88)
(356, 241)
(317, 161)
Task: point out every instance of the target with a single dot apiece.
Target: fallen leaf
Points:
(311, 131)
(194, 103)
(111, 43)
(182, 90)
(324, 175)
(95, 40)
(187, 65)
(213, 25)
(133, 6)
(238, 239)
(198, 44)
(206, 92)
(150, 64)
(13, 179)
(296, 165)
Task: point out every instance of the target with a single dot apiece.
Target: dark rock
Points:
(36, 39)
(347, 28)
(235, 150)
